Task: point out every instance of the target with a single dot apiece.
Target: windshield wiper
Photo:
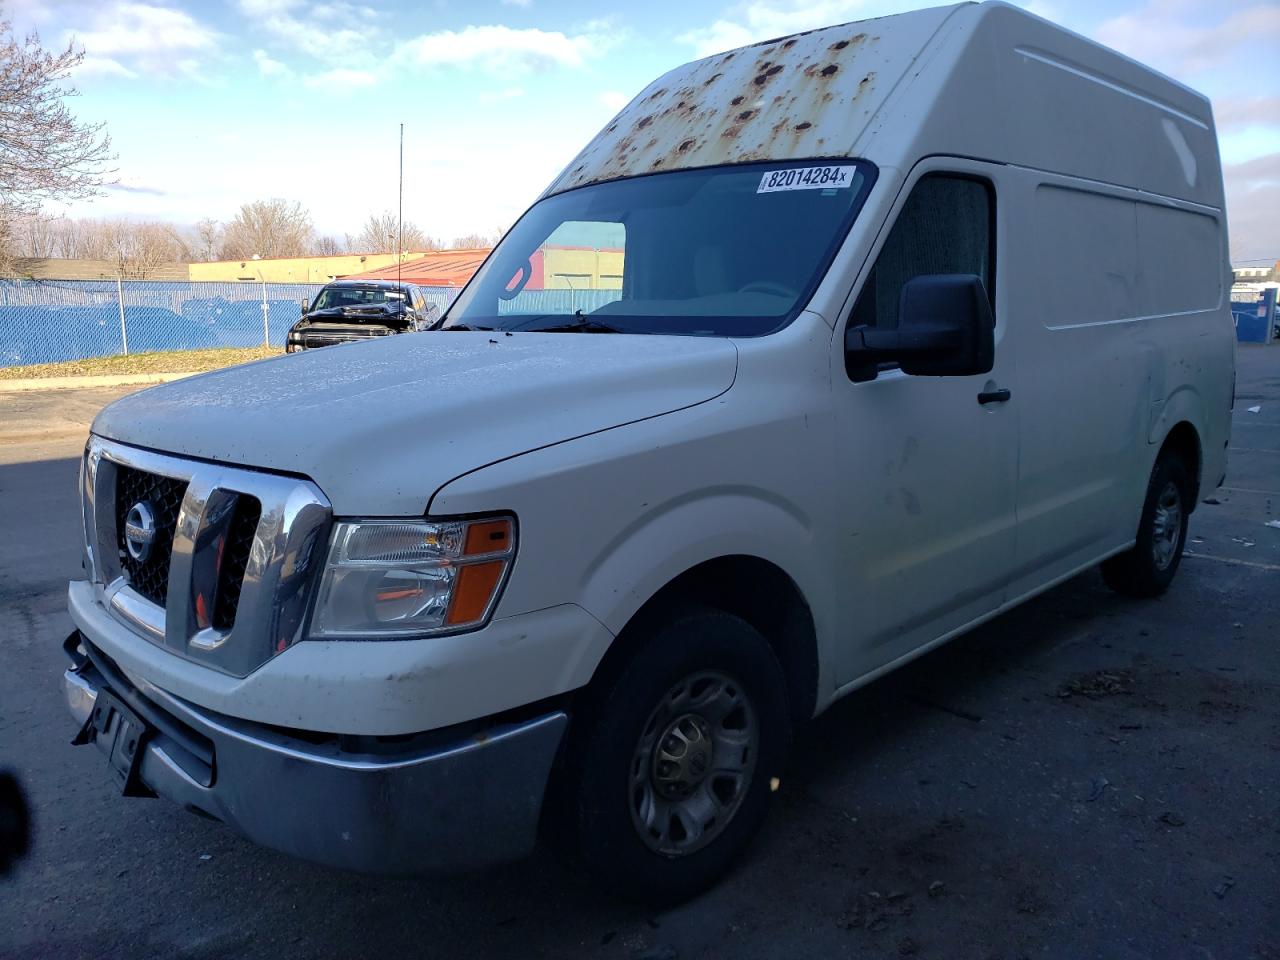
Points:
(580, 323)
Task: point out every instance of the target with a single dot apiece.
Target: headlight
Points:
(400, 578)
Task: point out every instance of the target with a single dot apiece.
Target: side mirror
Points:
(945, 329)
(306, 305)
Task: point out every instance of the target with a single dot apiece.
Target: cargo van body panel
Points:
(893, 325)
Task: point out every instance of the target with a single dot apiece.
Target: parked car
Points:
(912, 319)
(346, 310)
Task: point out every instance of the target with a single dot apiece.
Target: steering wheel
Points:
(768, 286)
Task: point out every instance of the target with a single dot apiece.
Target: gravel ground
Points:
(1086, 776)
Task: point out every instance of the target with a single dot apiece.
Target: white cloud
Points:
(340, 10)
(104, 67)
(1253, 204)
(614, 99)
(128, 28)
(127, 38)
(339, 80)
(502, 47)
(516, 3)
(1231, 112)
(766, 19)
(495, 96)
(269, 67)
(1162, 35)
(313, 33)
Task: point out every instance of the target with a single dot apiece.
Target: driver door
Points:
(928, 463)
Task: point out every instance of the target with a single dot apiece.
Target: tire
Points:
(1148, 568)
(701, 695)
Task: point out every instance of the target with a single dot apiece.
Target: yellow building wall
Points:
(565, 268)
(294, 269)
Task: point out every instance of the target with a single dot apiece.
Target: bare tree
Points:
(331, 246)
(381, 234)
(268, 228)
(45, 153)
(476, 241)
(136, 249)
(208, 239)
(34, 235)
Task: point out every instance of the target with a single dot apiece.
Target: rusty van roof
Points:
(806, 95)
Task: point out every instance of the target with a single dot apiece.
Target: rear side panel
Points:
(1124, 332)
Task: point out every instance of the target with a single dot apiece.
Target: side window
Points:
(946, 226)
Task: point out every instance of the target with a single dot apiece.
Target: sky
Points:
(212, 104)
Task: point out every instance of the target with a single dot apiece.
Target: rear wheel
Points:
(673, 754)
(1148, 568)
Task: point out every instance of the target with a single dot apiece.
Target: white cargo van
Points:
(822, 352)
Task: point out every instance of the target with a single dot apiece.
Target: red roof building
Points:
(439, 268)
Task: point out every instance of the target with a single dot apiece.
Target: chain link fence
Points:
(47, 321)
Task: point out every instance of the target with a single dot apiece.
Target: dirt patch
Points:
(169, 361)
(1097, 684)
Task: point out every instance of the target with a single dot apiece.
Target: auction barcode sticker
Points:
(806, 178)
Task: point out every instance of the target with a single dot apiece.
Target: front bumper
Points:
(410, 805)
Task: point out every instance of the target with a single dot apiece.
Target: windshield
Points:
(333, 297)
(725, 251)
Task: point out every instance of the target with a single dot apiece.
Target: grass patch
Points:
(169, 361)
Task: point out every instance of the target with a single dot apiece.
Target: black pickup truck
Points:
(347, 310)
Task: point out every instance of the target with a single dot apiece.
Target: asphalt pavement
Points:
(1086, 776)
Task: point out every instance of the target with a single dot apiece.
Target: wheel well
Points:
(755, 590)
(1185, 442)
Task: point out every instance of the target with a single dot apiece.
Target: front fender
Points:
(606, 521)
(677, 535)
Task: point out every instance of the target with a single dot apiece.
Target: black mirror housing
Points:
(945, 329)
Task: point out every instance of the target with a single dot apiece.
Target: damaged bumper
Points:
(433, 803)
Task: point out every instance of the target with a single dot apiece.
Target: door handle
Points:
(994, 396)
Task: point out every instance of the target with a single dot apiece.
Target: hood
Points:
(371, 311)
(381, 425)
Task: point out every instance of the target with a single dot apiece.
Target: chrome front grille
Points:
(150, 576)
(229, 573)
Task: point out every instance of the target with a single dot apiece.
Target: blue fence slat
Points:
(46, 321)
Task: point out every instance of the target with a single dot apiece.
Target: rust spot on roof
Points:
(763, 78)
(711, 79)
(804, 125)
(644, 122)
(685, 146)
(656, 163)
(789, 44)
(829, 70)
(839, 45)
(656, 94)
(737, 100)
(731, 133)
(746, 114)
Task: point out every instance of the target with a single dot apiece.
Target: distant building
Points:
(554, 268)
(296, 269)
(1256, 274)
(438, 268)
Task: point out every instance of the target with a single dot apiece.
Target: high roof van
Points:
(822, 352)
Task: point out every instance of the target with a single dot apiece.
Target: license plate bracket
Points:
(122, 735)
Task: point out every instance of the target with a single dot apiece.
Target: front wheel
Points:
(1147, 569)
(675, 754)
